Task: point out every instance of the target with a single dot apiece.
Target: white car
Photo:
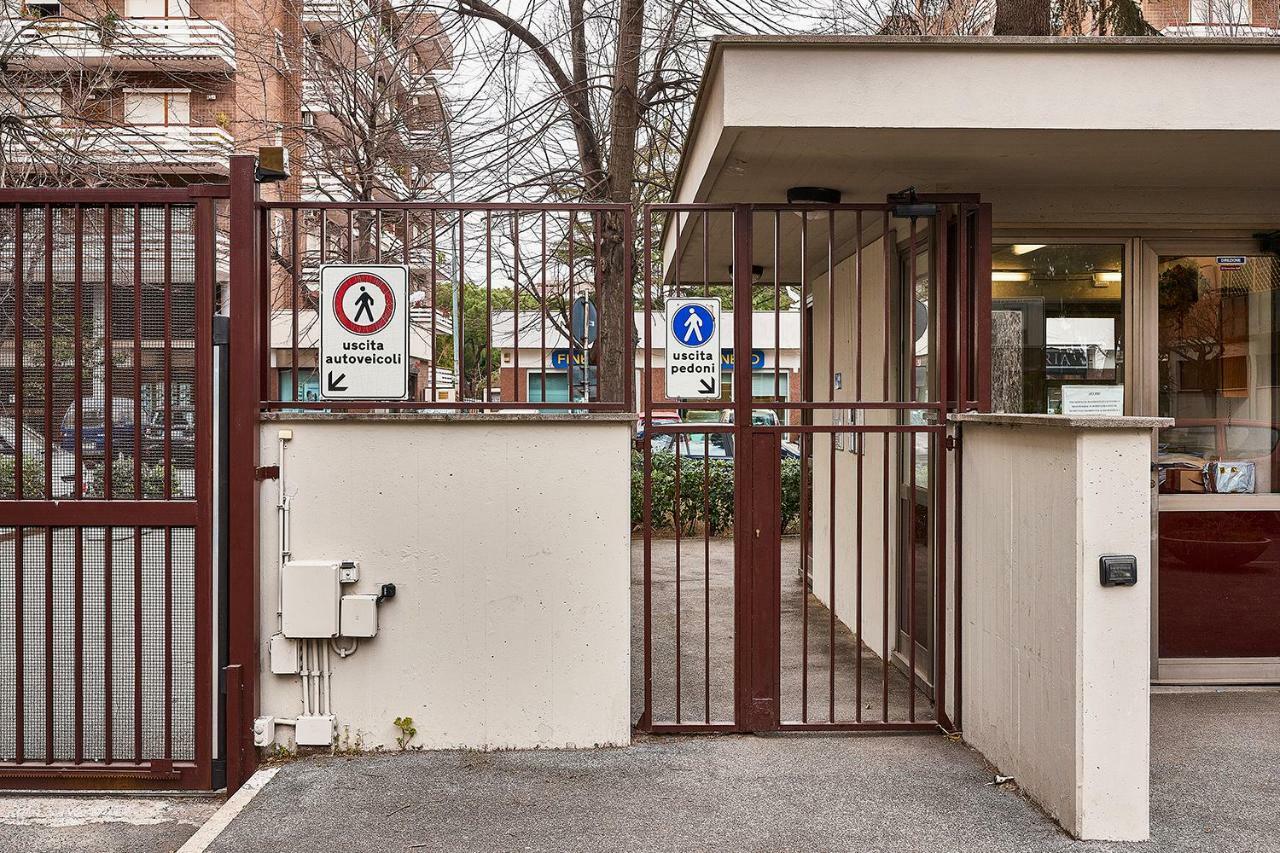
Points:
(33, 448)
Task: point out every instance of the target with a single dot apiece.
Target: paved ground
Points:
(706, 635)
(1216, 786)
(100, 825)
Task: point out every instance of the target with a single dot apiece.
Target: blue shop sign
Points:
(757, 359)
(560, 358)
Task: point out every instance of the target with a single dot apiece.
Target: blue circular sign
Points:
(693, 325)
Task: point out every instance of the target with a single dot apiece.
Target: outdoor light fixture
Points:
(907, 205)
(1269, 241)
(1010, 275)
(812, 195)
(757, 272)
(273, 164)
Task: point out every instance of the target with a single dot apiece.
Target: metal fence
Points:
(513, 306)
(105, 625)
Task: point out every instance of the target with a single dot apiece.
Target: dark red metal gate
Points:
(829, 607)
(106, 601)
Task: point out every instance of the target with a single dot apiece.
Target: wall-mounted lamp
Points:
(1026, 248)
(1102, 279)
(813, 195)
(1010, 275)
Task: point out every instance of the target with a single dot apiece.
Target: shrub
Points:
(712, 510)
(32, 477)
(122, 485)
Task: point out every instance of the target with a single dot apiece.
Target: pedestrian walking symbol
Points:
(693, 350)
(693, 325)
(364, 332)
(364, 303)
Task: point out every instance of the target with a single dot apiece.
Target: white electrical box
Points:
(316, 730)
(264, 731)
(283, 653)
(309, 597)
(359, 617)
(349, 571)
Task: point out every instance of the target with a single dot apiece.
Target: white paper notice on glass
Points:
(1096, 400)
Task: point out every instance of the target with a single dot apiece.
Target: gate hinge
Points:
(952, 442)
(267, 472)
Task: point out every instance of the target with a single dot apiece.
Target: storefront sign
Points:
(1231, 262)
(560, 358)
(757, 359)
(1096, 400)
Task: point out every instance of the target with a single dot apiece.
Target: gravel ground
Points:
(44, 824)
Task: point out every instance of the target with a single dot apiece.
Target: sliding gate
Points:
(106, 613)
(795, 537)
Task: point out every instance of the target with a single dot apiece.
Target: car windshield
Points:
(696, 444)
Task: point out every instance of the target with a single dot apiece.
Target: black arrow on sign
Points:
(708, 386)
(333, 383)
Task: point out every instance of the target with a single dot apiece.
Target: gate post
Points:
(245, 397)
(755, 569)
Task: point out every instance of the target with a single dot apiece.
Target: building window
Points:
(1057, 328)
(157, 9)
(157, 108)
(1220, 12)
(42, 10)
(36, 106)
(308, 118)
(308, 384)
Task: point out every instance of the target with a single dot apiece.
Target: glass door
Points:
(1217, 469)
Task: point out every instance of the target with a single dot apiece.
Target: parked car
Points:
(759, 417)
(180, 422)
(33, 447)
(695, 445)
(93, 430)
(657, 419)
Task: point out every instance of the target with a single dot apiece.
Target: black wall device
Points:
(1118, 569)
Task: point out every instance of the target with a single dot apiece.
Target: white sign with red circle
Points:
(364, 332)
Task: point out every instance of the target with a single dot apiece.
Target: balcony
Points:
(136, 44)
(158, 149)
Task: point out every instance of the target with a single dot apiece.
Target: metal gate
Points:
(106, 599)
(795, 531)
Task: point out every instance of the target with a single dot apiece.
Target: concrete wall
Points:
(508, 542)
(874, 293)
(1056, 666)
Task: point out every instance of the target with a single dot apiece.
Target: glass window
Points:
(308, 385)
(1218, 372)
(557, 387)
(1057, 328)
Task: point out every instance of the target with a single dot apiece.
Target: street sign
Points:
(693, 348)
(364, 332)
(583, 322)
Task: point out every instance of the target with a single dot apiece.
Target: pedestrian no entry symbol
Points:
(693, 348)
(364, 332)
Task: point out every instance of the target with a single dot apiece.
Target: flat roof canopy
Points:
(1143, 117)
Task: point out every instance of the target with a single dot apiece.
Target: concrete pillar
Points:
(1056, 666)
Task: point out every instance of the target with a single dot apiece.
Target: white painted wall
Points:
(508, 542)
(872, 513)
(1056, 666)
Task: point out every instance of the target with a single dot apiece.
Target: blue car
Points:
(93, 428)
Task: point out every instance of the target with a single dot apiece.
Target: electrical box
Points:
(264, 731)
(283, 653)
(348, 571)
(316, 730)
(309, 594)
(359, 616)
(1118, 570)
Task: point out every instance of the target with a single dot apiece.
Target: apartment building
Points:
(162, 91)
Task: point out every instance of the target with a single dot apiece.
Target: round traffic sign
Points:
(693, 325)
(363, 304)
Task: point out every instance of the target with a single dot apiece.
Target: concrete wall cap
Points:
(1061, 421)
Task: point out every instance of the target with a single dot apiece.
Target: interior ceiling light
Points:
(1010, 275)
(813, 195)
(1102, 279)
(1026, 248)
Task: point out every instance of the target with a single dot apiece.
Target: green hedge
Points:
(714, 510)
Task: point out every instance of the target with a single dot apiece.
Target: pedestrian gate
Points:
(106, 622)
(795, 529)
